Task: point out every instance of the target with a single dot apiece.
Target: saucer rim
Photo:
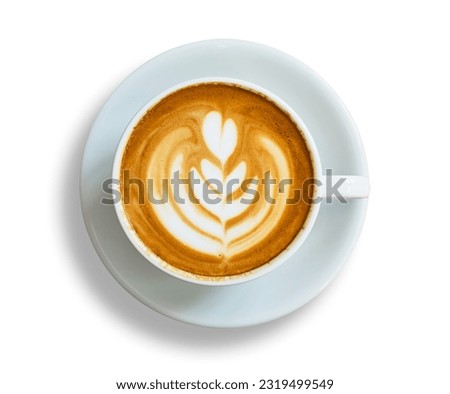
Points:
(155, 306)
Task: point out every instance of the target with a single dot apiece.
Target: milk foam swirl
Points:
(227, 224)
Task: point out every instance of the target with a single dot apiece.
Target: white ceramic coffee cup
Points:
(350, 187)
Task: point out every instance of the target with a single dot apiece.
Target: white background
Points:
(383, 324)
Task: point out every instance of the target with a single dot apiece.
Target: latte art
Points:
(225, 224)
(204, 154)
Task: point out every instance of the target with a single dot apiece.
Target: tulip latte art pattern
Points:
(202, 154)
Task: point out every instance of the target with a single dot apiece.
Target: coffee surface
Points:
(212, 180)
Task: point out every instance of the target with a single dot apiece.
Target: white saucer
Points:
(334, 234)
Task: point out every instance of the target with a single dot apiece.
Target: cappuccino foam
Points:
(219, 141)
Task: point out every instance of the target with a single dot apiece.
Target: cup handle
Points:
(346, 186)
